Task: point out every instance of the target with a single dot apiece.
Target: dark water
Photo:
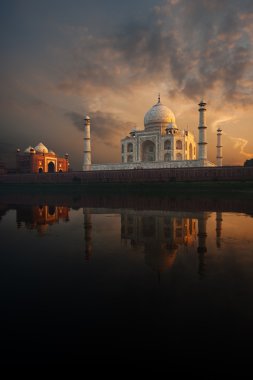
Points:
(150, 279)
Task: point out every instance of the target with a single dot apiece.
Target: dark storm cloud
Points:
(105, 125)
(200, 42)
(7, 152)
(189, 45)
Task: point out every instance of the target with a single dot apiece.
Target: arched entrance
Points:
(167, 144)
(148, 151)
(179, 144)
(130, 147)
(167, 157)
(40, 170)
(51, 167)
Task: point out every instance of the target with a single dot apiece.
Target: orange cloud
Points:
(240, 143)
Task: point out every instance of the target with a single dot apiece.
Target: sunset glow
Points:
(107, 59)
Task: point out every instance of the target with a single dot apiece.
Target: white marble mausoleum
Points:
(161, 144)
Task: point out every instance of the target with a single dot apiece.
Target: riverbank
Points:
(227, 187)
(225, 196)
(134, 177)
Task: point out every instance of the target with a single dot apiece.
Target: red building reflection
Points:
(40, 217)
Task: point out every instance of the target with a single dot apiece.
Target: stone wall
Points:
(153, 165)
(229, 173)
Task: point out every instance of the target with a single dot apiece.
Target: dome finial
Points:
(159, 98)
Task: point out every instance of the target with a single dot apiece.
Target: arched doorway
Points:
(40, 170)
(179, 144)
(51, 167)
(148, 151)
(130, 147)
(167, 144)
(167, 157)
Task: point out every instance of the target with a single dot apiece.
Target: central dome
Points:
(41, 148)
(159, 114)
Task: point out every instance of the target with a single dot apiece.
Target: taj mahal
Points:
(161, 144)
(161, 140)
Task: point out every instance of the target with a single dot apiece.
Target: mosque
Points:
(161, 144)
(41, 160)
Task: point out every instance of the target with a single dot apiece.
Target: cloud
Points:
(106, 126)
(8, 152)
(191, 46)
(223, 120)
(240, 143)
(187, 49)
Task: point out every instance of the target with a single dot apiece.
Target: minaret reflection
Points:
(159, 235)
(202, 236)
(87, 234)
(40, 217)
(218, 228)
(3, 210)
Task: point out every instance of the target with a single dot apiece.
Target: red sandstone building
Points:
(41, 160)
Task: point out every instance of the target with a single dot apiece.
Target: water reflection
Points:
(218, 228)
(87, 234)
(40, 217)
(160, 235)
(94, 278)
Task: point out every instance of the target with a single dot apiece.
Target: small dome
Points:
(171, 126)
(51, 152)
(159, 114)
(29, 149)
(86, 117)
(41, 148)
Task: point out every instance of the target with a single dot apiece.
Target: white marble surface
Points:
(153, 165)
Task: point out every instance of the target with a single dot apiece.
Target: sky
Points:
(62, 60)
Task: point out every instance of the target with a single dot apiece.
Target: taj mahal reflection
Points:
(87, 234)
(160, 235)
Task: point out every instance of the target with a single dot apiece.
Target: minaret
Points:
(87, 147)
(219, 148)
(18, 160)
(202, 132)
